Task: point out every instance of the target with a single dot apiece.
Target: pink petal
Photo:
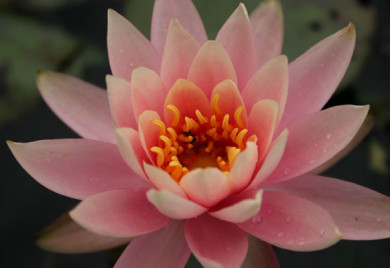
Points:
(148, 132)
(316, 139)
(146, 91)
(210, 66)
(315, 75)
(66, 236)
(292, 223)
(216, 243)
(165, 248)
(260, 254)
(244, 166)
(131, 149)
(119, 213)
(82, 106)
(262, 122)
(269, 82)
(267, 26)
(75, 168)
(237, 38)
(360, 213)
(238, 208)
(206, 186)
(187, 98)
(173, 205)
(271, 160)
(119, 97)
(184, 11)
(162, 180)
(180, 50)
(128, 48)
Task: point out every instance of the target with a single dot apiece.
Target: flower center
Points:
(200, 142)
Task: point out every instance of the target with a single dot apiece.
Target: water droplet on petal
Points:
(287, 171)
(324, 150)
(257, 219)
(280, 234)
(329, 136)
(322, 232)
(111, 43)
(301, 243)
(131, 64)
(312, 161)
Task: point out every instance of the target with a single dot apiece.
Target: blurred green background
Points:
(69, 36)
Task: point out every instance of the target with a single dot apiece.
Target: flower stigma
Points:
(200, 142)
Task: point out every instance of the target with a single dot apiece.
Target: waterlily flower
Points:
(197, 143)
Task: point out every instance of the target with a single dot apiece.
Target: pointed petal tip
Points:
(241, 9)
(348, 31)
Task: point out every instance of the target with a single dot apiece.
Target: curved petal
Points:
(260, 254)
(75, 168)
(292, 223)
(173, 205)
(162, 180)
(206, 186)
(187, 98)
(210, 66)
(237, 38)
(262, 122)
(216, 243)
(119, 97)
(315, 75)
(66, 236)
(180, 50)
(148, 132)
(131, 150)
(119, 213)
(267, 26)
(128, 48)
(146, 92)
(360, 213)
(269, 82)
(82, 106)
(238, 208)
(316, 139)
(184, 10)
(165, 248)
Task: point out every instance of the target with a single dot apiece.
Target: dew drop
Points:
(131, 64)
(111, 43)
(280, 234)
(324, 150)
(288, 219)
(312, 161)
(301, 243)
(328, 136)
(322, 232)
(257, 219)
(287, 171)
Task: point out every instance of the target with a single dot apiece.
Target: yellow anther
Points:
(211, 131)
(225, 134)
(225, 123)
(177, 172)
(174, 158)
(190, 146)
(209, 147)
(185, 171)
(172, 153)
(232, 153)
(222, 164)
(238, 117)
(253, 138)
(167, 144)
(214, 104)
(160, 155)
(172, 133)
(213, 121)
(184, 138)
(161, 125)
(240, 138)
(176, 115)
(233, 134)
(174, 163)
(202, 120)
(191, 123)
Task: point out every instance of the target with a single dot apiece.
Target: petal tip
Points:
(348, 31)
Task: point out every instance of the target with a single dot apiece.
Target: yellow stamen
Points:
(240, 138)
(209, 147)
(176, 115)
(222, 164)
(225, 122)
(238, 116)
(160, 155)
(211, 131)
(253, 138)
(233, 134)
(191, 123)
(213, 121)
(167, 144)
(202, 120)
(232, 153)
(214, 104)
(161, 125)
(172, 133)
(184, 138)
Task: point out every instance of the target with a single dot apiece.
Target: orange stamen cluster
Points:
(200, 141)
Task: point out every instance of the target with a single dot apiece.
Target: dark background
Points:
(69, 36)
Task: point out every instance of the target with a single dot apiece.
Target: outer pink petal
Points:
(239, 208)
(162, 180)
(315, 75)
(119, 213)
(173, 205)
(180, 50)
(128, 48)
(262, 122)
(293, 223)
(267, 27)
(149, 132)
(210, 66)
(206, 186)
(244, 166)
(82, 106)
(260, 254)
(165, 248)
(216, 243)
(146, 91)
(360, 213)
(269, 82)
(317, 138)
(75, 168)
(237, 38)
(66, 236)
(271, 160)
(119, 97)
(187, 98)
(185, 11)
(131, 149)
